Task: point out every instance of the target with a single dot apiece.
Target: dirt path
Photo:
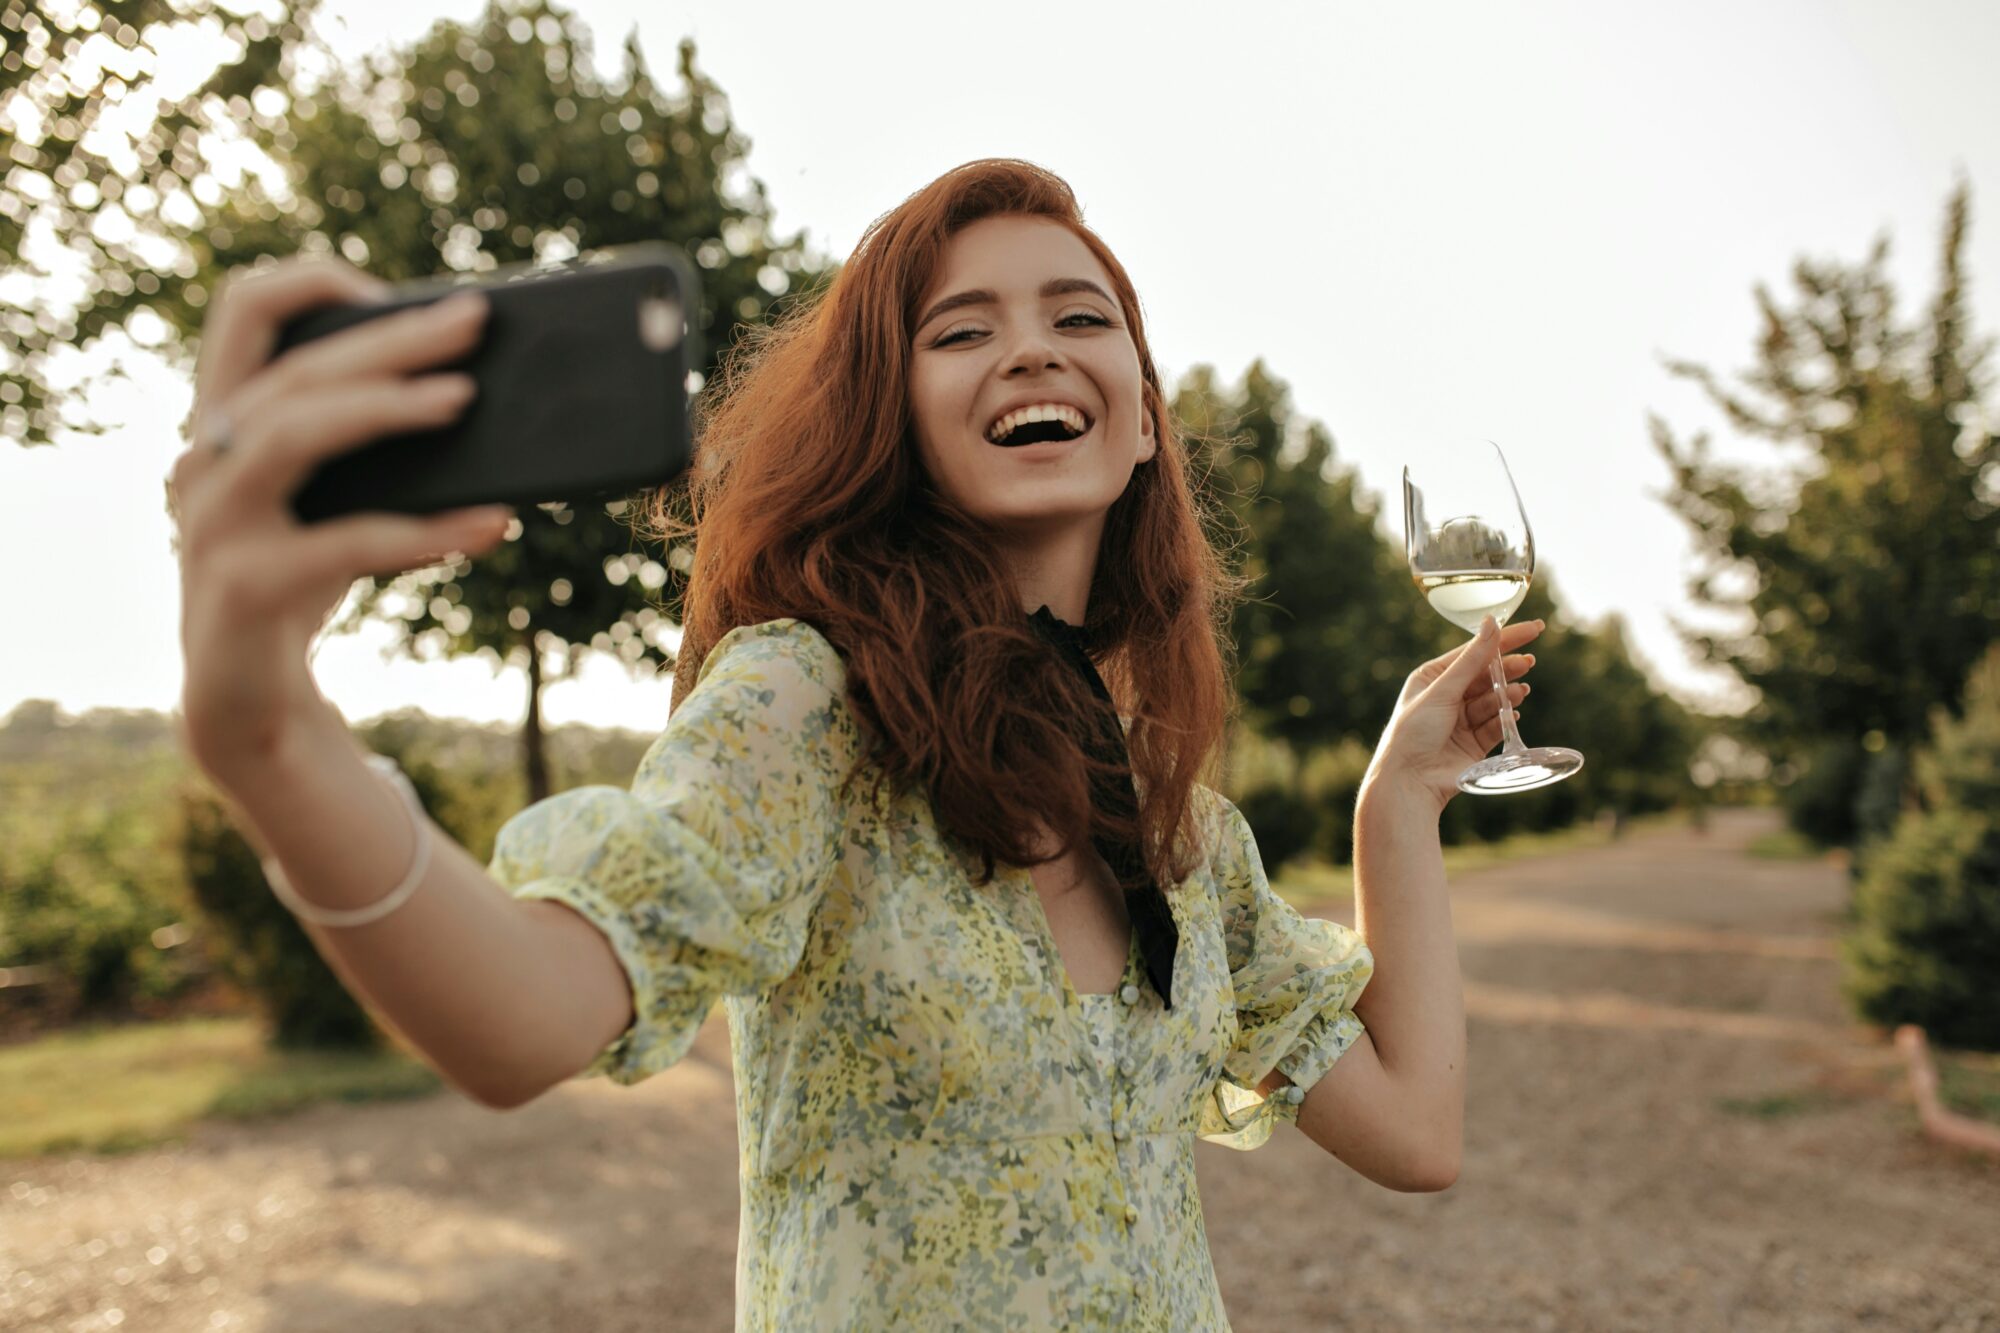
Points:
(1673, 1125)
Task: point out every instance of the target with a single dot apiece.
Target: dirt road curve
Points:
(1673, 1125)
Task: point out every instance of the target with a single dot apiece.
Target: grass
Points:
(1786, 845)
(1302, 882)
(123, 1088)
(1778, 1105)
(1969, 1083)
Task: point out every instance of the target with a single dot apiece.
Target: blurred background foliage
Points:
(484, 144)
(1861, 571)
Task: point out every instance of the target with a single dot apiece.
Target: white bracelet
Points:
(396, 897)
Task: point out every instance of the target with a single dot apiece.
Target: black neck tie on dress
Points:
(1152, 919)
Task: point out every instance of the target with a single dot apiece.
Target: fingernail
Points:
(462, 305)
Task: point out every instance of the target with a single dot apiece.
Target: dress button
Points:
(1295, 1094)
(1131, 1214)
(1120, 1133)
(1127, 1066)
(1130, 995)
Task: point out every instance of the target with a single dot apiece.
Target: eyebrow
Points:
(981, 296)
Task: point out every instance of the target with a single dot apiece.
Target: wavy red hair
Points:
(808, 498)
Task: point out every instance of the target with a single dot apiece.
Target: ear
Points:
(1148, 446)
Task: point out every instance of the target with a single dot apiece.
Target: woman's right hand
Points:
(256, 584)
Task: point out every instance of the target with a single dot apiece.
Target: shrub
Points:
(1879, 795)
(1282, 821)
(1331, 780)
(1298, 807)
(69, 905)
(1820, 801)
(1925, 947)
(268, 953)
(263, 947)
(1925, 942)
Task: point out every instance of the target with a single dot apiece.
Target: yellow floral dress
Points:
(936, 1131)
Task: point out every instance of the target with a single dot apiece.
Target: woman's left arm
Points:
(1393, 1107)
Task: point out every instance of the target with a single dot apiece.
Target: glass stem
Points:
(1512, 744)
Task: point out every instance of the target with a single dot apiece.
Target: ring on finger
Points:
(213, 433)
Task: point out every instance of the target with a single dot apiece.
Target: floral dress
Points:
(936, 1130)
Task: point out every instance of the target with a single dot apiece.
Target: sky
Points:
(1437, 222)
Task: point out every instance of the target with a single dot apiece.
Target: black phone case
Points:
(582, 372)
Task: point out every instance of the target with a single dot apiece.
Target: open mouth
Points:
(1041, 424)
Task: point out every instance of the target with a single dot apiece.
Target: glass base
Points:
(1524, 770)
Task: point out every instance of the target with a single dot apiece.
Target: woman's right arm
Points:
(504, 997)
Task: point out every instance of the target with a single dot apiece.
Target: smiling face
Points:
(1020, 341)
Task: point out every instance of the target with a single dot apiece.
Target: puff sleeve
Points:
(1296, 980)
(704, 874)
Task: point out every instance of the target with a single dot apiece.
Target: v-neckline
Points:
(1024, 882)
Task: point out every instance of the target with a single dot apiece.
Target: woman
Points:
(928, 814)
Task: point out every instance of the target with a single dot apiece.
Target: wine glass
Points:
(1475, 560)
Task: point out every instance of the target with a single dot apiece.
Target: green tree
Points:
(1332, 622)
(482, 144)
(1864, 577)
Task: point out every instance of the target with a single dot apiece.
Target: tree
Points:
(483, 144)
(1332, 622)
(1865, 578)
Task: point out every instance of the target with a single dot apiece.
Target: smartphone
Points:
(583, 390)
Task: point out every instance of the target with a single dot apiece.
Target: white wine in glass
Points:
(1472, 554)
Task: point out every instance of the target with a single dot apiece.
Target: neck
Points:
(1055, 570)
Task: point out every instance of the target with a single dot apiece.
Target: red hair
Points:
(808, 499)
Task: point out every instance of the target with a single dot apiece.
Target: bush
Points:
(1925, 942)
(264, 949)
(1331, 780)
(1820, 802)
(68, 904)
(1295, 806)
(1282, 821)
(1925, 948)
(268, 953)
(63, 912)
(1879, 795)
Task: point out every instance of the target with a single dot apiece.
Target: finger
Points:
(426, 335)
(388, 544)
(1486, 707)
(1515, 665)
(249, 307)
(1467, 665)
(283, 441)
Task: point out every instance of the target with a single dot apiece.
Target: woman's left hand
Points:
(1448, 716)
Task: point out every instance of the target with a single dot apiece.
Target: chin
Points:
(1046, 512)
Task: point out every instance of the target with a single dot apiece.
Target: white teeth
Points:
(1022, 416)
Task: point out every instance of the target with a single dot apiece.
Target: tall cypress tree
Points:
(1864, 577)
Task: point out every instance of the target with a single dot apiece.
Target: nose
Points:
(1033, 351)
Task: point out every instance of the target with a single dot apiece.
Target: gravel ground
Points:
(1673, 1124)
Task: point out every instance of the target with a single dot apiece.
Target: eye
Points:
(961, 332)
